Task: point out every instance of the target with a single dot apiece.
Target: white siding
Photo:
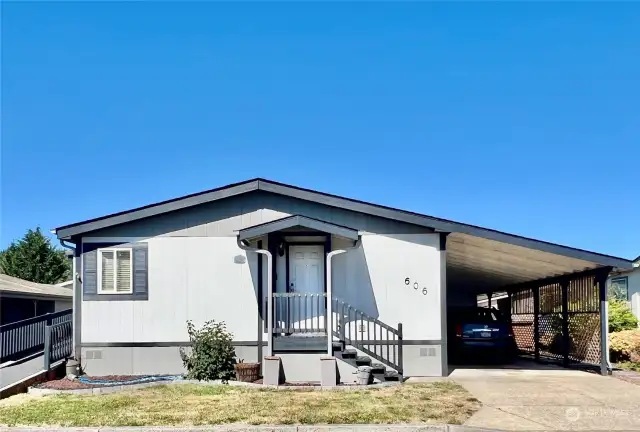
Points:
(189, 278)
(192, 274)
(372, 279)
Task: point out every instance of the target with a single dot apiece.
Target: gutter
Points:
(244, 245)
(329, 322)
(77, 300)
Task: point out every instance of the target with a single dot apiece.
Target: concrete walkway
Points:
(530, 397)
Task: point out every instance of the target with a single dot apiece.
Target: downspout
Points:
(245, 246)
(77, 300)
(330, 255)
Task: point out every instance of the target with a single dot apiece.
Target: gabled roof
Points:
(10, 285)
(66, 232)
(295, 221)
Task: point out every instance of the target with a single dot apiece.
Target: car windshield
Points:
(483, 315)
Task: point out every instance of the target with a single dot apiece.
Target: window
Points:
(115, 274)
(619, 288)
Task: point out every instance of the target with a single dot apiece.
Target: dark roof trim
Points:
(67, 231)
(293, 221)
(438, 224)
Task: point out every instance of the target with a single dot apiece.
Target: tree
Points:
(621, 317)
(35, 259)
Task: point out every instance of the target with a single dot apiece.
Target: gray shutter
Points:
(90, 277)
(140, 270)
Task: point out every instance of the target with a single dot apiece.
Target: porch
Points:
(300, 312)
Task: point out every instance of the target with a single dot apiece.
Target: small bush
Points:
(624, 345)
(212, 355)
(621, 317)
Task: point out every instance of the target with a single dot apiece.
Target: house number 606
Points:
(416, 286)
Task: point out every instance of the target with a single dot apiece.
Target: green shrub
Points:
(621, 317)
(212, 355)
(624, 346)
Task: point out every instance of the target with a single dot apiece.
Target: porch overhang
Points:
(297, 221)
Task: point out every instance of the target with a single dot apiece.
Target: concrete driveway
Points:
(531, 397)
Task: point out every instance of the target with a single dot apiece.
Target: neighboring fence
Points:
(299, 312)
(22, 338)
(560, 318)
(370, 335)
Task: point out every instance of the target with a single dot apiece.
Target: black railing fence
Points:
(370, 335)
(22, 338)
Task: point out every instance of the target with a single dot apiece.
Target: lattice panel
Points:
(523, 332)
(584, 337)
(551, 343)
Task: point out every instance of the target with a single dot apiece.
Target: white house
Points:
(294, 273)
(627, 284)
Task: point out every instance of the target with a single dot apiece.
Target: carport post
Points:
(601, 280)
(489, 300)
(565, 323)
(536, 322)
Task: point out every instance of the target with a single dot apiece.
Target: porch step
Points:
(378, 368)
(392, 375)
(363, 361)
(349, 353)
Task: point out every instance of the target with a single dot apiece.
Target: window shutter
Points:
(140, 270)
(90, 270)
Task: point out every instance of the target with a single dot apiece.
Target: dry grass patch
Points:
(439, 402)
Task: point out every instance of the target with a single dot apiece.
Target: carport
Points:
(555, 296)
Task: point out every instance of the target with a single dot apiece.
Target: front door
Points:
(306, 281)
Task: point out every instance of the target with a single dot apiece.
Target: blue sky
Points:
(522, 117)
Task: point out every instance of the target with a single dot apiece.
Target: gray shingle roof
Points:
(12, 285)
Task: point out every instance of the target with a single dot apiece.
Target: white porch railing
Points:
(299, 313)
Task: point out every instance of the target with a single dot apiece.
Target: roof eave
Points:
(437, 224)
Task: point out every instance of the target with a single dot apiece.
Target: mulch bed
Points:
(67, 384)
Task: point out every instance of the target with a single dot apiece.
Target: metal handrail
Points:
(48, 316)
(25, 337)
(58, 342)
(387, 350)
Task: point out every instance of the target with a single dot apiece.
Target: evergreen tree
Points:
(35, 259)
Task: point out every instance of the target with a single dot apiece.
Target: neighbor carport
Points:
(554, 296)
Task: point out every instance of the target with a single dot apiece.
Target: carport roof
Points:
(491, 256)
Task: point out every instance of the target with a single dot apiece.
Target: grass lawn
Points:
(438, 402)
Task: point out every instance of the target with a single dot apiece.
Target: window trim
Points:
(115, 271)
(620, 278)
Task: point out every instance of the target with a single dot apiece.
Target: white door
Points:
(306, 282)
